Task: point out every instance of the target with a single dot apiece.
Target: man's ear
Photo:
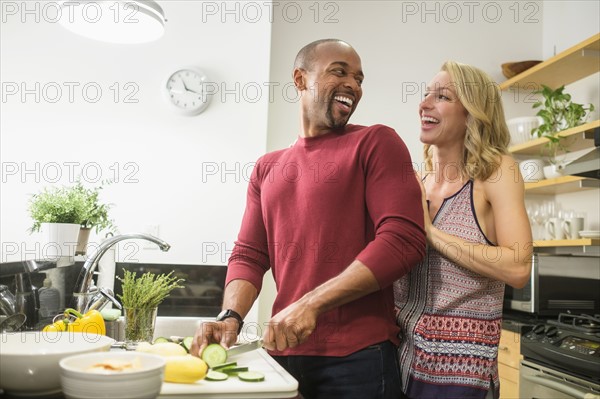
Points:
(299, 79)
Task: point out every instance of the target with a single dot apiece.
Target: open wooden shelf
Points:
(575, 139)
(571, 65)
(562, 185)
(580, 242)
(566, 67)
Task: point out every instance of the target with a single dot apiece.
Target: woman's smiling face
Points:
(443, 117)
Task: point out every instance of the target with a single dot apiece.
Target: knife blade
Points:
(245, 347)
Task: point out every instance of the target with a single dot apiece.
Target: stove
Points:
(582, 323)
(570, 344)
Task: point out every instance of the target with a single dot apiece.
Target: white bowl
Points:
(520, 128)
(29, 360)
(532, 170)
(142, 381)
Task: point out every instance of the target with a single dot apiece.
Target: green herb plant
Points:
(558, 113)
(96, 213)
(56, 205)
(76, 204)
(141, 296)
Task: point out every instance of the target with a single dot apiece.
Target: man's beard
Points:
(335, 124)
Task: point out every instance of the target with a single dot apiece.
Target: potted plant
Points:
(63, 212)
(558, 113)
(95, 215)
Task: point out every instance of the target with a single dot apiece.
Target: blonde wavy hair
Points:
(487, 137)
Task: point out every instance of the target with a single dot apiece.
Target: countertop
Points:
(278, 383)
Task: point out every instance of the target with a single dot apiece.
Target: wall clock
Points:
(186, 91)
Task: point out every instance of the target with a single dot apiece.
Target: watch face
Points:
(222, 314)
(186, 91)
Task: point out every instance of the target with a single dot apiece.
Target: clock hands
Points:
(193, 92)
(184, 86)
(185, 90)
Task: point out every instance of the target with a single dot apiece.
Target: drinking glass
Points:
(139, 325)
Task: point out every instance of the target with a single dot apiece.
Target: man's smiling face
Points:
(333, 86)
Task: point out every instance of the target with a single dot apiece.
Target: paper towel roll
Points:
(106, 270)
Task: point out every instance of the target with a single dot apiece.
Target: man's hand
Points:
(210, 332)
(239, 295)
(294, 324)
(290, 327)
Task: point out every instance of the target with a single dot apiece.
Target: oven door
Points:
(540, 382)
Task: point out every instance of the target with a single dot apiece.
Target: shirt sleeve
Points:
(249, 259)
(393, 198)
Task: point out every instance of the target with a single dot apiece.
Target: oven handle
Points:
(559, 386)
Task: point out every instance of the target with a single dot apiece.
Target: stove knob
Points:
(539, 329)
(551, 331)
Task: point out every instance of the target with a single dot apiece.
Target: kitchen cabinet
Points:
(509, 357)
(564, 68)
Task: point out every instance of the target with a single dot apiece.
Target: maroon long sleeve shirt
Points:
(313, 208)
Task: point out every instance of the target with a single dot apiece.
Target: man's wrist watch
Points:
(231, 313)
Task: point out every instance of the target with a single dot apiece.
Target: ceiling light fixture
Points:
(114, 21)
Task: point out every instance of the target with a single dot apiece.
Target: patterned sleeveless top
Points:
(450, 317)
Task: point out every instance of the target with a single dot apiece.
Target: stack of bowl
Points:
(124, 375)
(29, 360)
(520, 128)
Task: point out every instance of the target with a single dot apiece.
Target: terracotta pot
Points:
(82, 241)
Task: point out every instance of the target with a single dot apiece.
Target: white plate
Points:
(590, 233)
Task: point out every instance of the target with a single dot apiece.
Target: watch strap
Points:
(227, 313)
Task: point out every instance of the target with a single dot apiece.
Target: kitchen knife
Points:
(245, 347)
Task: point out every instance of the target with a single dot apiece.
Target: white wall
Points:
(567, 23)
(401, 49)
(156, 155)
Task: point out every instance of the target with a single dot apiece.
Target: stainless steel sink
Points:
(180, 326)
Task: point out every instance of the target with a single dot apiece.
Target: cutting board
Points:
(278, 383)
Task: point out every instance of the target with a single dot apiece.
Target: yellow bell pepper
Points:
(90, 323)
(58, 326)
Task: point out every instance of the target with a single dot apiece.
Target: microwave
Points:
(558, 284)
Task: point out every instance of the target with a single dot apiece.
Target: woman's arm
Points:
(510, 260)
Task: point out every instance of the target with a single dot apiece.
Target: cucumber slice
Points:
(161, 339)
(233, 370)
(216, 376)
(187, 343)
(251, 376)
(214, 354)
(224, 365)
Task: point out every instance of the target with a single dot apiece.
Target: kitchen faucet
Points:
(83, 292)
